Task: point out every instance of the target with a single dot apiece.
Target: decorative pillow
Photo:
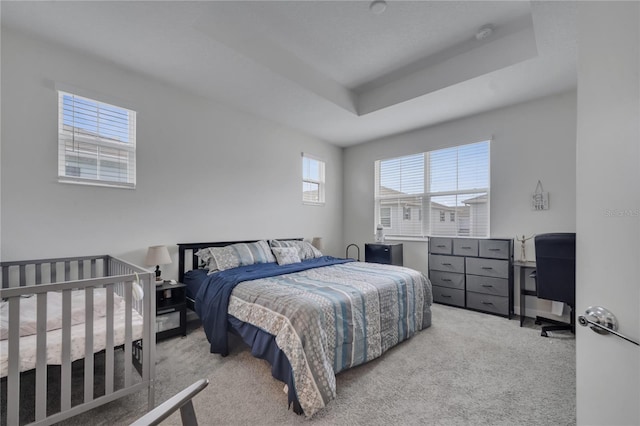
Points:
(241, 254)
(305, 249)
(286, 255)
(206, 260)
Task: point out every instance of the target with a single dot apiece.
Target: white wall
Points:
(530, 141)
(205, 172)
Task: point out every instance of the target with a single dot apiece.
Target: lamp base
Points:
(158, 272)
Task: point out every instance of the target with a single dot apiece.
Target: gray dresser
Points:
(473, 273)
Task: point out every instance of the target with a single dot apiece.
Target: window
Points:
(312, 180)
(385, 217)
(96, 142)
(451, 182)
(406, 213)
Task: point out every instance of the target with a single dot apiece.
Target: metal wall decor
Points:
(540, 198)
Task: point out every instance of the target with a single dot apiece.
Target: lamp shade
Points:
(158, 255)
(317, 242)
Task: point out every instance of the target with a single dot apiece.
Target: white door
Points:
(608, 210)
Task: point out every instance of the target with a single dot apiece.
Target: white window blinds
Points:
(96, 142)
(312, 180)
(443, 192)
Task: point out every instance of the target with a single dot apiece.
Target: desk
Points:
(520, 268)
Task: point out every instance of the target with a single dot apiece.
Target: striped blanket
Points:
(331, 318)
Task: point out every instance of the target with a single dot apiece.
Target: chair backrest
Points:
(556, 267)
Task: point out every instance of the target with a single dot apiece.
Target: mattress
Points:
(28, 341)
(326, 315)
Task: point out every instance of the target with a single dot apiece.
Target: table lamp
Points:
(317, 243)
(158, 255)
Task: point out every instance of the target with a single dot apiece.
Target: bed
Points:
(54, 312)
(311, 316)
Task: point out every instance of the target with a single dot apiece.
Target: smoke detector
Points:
(484, 32)
(378, 6)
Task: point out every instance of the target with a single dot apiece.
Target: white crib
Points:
(113, 317)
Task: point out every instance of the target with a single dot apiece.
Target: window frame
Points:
(87, 142)
(427, 196)
(320, 182)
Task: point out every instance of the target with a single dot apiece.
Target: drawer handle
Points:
(487, 267)
(446, 280)
(495, 249)
(441, 246)
(487, 285)
(466, 248)
(487, 303)
(446, 296)
(446, 264)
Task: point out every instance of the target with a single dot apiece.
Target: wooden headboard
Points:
(187, 251)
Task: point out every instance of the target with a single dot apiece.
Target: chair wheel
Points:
(544, 334)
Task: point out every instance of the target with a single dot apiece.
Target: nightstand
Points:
(171, 310)
(391, 254)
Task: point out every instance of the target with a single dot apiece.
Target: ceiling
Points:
(331, 69)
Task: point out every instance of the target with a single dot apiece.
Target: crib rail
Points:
(39, 278)
(41, 271)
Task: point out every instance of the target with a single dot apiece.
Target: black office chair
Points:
(556, 275)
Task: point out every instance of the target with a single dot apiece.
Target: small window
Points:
(406, 213)
(385, 217)
(312, 180)
(441, 216)
(452, 217)
(96, 142)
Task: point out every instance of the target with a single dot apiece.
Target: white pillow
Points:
(206, 258)
(286, 255)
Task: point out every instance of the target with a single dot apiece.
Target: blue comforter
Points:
(325, 315)
(212, 300)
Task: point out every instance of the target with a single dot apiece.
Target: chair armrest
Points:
(178, 401)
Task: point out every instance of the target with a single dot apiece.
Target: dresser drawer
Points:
(446, 263)
(447, 279)
(465, 247)
(488, 285)
(450, 296)
(488, 303)
(497, 249)
(440, 245)
(487, 267)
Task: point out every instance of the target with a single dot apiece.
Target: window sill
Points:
(89, 182)
(426, 239)
(409, 239)
(312, 203)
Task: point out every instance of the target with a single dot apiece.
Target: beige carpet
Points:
(467, 369)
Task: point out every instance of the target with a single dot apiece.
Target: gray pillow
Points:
(286, 255)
